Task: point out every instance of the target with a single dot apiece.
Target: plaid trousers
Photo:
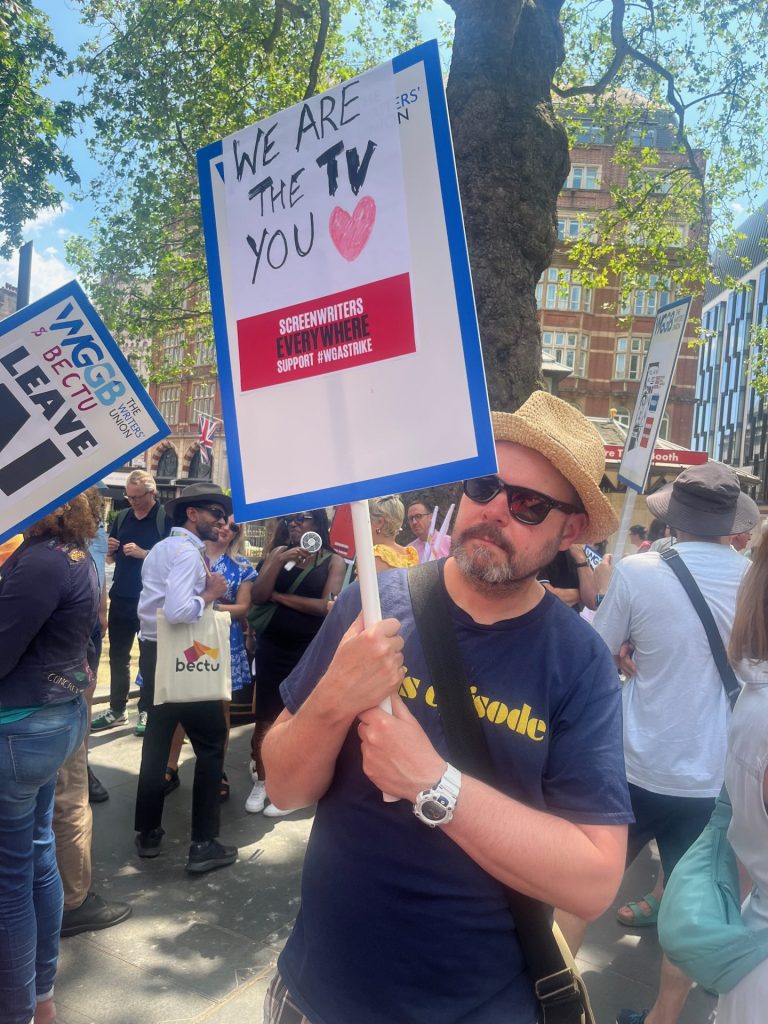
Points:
(279, 1008)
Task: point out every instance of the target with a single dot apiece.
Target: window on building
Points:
(630, 356)
(642, 136)
(168, 464)
(569, 348)
(556, 290)
(205, 350)
(622, 416)
(173, 349)
(647, 301)
(199, 469)
(584, 176)
(570, 228)
(169, 403)
(203, 395)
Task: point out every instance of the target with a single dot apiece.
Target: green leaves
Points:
(32, 127)
(166, 78)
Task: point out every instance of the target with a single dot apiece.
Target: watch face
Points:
(433, 810)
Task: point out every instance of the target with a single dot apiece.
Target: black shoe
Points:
(209, 856)
(92, 915)
(97, 794)
(148, 843)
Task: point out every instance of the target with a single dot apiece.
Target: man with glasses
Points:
(176, 578)
(133, 534)
(419, 520)
(423, 931)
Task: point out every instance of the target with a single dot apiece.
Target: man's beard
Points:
(489, 574)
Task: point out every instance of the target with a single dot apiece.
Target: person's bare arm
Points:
(300, 750)
(242, 601)
(575, 867)
(568, 595)
(316, 605)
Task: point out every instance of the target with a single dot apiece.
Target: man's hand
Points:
(134, 551)
(215, 588)
(367, 667)
(112, 545)
(624, 659)
(398, 757)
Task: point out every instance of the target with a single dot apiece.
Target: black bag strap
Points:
(731, 684)
(555, 986)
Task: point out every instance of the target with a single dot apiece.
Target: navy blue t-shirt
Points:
(397, 924)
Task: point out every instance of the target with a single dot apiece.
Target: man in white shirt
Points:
(175, 578)
(675, 707)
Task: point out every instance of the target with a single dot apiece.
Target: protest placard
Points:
(345, 326)
(71, 407)
(652, 396)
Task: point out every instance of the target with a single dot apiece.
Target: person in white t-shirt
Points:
(675, 707)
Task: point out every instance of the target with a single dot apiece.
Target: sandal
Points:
(223, 788)
(172, 780)
(639, 918)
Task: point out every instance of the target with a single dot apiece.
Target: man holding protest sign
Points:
(423, 931)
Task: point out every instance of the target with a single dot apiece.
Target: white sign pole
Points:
(627, 512)
(367, 578)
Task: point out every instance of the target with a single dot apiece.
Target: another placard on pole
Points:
(655, 384)
(71, 407)
(345, 324)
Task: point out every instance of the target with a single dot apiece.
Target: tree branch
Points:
(317, 53)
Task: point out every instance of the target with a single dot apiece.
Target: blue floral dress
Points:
(235, 571)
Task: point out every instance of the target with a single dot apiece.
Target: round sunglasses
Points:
(526, 506)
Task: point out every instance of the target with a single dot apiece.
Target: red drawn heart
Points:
(350, 234)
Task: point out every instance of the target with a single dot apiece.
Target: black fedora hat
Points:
(200, 494)
(707, 501)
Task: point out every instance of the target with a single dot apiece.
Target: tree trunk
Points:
(512, 159)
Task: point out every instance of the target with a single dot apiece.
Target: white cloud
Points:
(738, 208)
(51, 250)
(44, 220)
(64, 232)
(48, 272)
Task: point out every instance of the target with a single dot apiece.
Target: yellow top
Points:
(9, 546)
(394, 559)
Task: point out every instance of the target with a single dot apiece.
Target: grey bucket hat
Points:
(707, 501)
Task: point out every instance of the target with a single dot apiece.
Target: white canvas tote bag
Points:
(193, 659)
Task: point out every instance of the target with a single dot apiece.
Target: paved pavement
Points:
(203, 949)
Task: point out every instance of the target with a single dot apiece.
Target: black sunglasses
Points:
(526, 506)
(233, 528)
(300, 518)
(215, 510)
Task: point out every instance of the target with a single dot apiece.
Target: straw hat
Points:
(574, 447)
(706, 501)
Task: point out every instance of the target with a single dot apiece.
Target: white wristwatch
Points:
(435, 806)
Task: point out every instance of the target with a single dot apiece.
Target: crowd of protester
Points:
(187, 554)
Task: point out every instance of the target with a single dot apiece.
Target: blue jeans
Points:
(31, 898)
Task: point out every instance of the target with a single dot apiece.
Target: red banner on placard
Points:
(670, 456)
(353, 327)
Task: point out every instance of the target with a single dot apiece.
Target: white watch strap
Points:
(451, 781)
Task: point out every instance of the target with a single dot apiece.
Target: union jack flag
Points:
(205, 441)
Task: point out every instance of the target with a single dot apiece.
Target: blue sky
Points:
(50, 231)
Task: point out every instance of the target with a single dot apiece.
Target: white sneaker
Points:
(258, 797)
(273, 811)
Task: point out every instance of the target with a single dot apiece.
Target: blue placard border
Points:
(72, 290)
(632, 484)
(431, 476)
